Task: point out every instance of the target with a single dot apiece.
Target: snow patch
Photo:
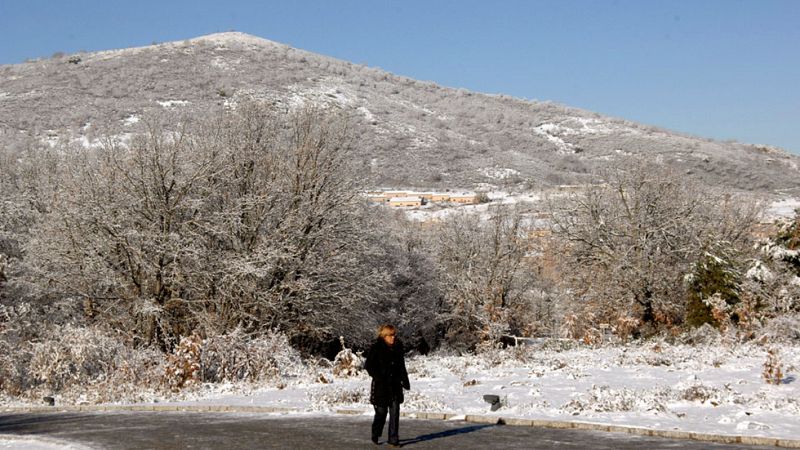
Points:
(366, 113)
(759, 272)
(412, 105)
(498, 173)
(323, 94)
(220, 40)
(548, 131)
(130, 120)
(230, 104)
(172, 103)
(782, 208)
(221, 63)
(233, 38)
(52, 139)
(85, 142)
(579, 126)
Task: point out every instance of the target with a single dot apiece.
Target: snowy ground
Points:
(715, 389)
(783, 208)
(35, 443)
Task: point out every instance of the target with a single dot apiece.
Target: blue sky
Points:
(725, 69)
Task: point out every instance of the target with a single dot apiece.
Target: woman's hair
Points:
(386, 330)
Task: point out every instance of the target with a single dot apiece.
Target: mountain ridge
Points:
(410, 132)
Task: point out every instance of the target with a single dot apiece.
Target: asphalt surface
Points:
(188, 430)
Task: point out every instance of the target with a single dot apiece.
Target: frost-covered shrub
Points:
(80, 363)
(606, 399)
(700, 393)
(239, 357)
(583, 327)
(559, 345)
(183, 367)
(657, 360)
(418, 401)
(347, 364)
(75, 355)
(14, 362)
(491, 354)
(327, 397)
(703, 335)
(788, 237)
(417, 370)
(625, 326)
(781, 329)
(773, 367)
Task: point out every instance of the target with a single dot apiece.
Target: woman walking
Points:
(387, 367)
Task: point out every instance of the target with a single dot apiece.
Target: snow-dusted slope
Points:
(409, 133)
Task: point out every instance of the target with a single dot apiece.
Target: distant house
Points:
(466, 199)
(439, 197)
(391, 194)
(405, 201)
(411, 198)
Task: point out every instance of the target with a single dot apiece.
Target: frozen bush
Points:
(781, 329)
(75, 356)
(702, 335)
(14, 376)
(239, 357)
(80, 363)
(347, 363)
(327, 397)
(701, 393)
(418, 401)
(606, 399)
(559, 345)
(773, 368)
(183, 367)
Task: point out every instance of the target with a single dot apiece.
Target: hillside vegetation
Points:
(410, 133)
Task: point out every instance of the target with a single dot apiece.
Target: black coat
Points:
(387, 367)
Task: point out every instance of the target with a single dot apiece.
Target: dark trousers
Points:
(380, 419)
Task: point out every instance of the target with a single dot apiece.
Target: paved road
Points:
(187, 430)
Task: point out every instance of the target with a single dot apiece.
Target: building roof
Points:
(405, 199)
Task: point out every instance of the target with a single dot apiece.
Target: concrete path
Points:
(191, 430)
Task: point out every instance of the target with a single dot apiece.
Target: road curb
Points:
(472, 418)
(150, 408)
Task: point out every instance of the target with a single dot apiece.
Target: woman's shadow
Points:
(444, 434)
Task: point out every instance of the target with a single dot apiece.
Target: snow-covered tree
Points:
(412, 298)
(250, 220)
(484, 276)
(625, 246)
(773, 278)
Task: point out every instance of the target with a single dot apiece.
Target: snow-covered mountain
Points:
(410, 133)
